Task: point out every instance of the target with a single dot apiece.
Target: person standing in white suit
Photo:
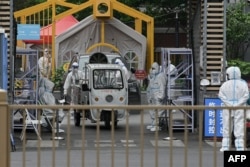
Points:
(44, 64)
(233, 93)
(156, 93)
(72, 84)
(127, 73)
(172, 72)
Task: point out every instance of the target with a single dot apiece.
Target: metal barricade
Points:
(193, 150)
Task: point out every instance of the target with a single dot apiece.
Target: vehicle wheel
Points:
(107, 120)
(115, 121)
(107, 123)
(115, 124)
(77, 118)
(134, 98)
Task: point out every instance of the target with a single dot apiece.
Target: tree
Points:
(163, 11)
(238, 31)
(22, 4)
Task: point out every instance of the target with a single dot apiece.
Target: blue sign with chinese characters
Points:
(28, 32)
(213, 118)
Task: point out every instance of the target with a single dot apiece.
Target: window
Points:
(107, 79)
(132, 59)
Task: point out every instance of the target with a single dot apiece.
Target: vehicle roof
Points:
(84, 58)
(112, 56)
(104, 66)
(106, 53)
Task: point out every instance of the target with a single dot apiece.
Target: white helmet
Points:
(75, 64)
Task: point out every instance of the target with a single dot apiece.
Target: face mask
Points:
(75, 70)
(154, 72)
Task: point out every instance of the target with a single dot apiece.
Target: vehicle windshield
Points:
(108, 79)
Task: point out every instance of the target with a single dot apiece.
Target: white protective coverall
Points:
(233, 92)
(44, 64)
(46, 97)
(156, 93)
(72, 84)
(127, 73)
(172, 71)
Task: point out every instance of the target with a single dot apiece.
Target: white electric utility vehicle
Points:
(104, 85)
(110, 58)
(106, 61)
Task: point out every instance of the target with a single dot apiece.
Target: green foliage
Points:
(143, 87)
(57, 78)
(238, 30)
(163, 11)
(22, 4)
(243, 65)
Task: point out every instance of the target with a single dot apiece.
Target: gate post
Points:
(4, 130)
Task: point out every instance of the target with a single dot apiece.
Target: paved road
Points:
(105, 137)
(135, 144)
(90, 131)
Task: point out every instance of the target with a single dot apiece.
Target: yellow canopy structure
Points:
(102, 9)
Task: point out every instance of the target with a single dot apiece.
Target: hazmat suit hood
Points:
(233, 73)
(118, 61)
(155, 68)
(127, 73)
(75, 64)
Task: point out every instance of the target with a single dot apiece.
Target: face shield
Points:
(75, 67)
(46, 52)
(155, 69)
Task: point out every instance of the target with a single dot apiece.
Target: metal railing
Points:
(200, 157)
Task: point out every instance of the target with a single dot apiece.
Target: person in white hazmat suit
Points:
(72, 84)
(171, 73)
(171, 69)
(156, 93)
(46, 97)
(44, 64)
(127, 73)
(233, 92)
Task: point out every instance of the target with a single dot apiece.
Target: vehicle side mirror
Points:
(85, 87)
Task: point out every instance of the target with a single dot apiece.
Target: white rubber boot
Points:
(155, 128)
(225, 144)
(239, 144)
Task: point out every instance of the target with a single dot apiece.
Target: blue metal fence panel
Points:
(3, 62)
